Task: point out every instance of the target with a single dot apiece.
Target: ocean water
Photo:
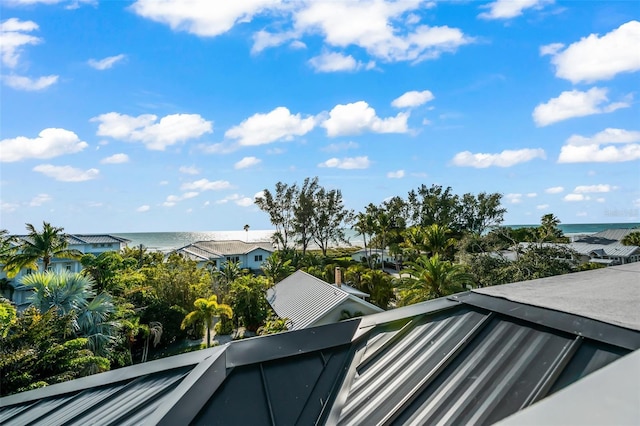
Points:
(167, 241)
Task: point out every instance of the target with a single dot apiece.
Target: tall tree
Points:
(43, 246)
(330, 219)
(206, 311)
(482, 212)
(304, 207)
(430, 278)
(435, 204)
(281, 210)
(549, 230)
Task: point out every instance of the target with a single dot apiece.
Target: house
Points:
(215, 253)
(95, 244)
(376, 254)
(308, 301)
(557, 350)
(606, 247)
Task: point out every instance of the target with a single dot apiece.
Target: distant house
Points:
(562, 350)
(215, 253)
(375, 254)
(95, 244)
(606, 247)
(603, 247)
(308, 301)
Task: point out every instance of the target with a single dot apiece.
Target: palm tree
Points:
(632, 239)
(431, 277)
(206, 310)
(229, 271)
(72, 294)
(246, 229)
(153, 330)
(50, 243)
(277, 268)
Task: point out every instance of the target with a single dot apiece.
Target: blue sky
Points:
(171, 115)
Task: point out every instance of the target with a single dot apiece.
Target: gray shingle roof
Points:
(218, 249)
(73, 239)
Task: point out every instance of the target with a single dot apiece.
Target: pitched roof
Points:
(204, 250)
(472, 358)
(304, 299)
(76, 239)
(608, 236)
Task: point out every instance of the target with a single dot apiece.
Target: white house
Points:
(250, 255)
(308, 301)
(377, 254)
(86, 244)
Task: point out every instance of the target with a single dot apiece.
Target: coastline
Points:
(168, 241)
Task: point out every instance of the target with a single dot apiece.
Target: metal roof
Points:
(472, 358)
(613, 249)
(608, 236)
(303, 299)
(74, 239)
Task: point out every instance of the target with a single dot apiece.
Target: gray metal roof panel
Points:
(304, 299)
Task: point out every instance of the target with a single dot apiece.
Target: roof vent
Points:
(338, 274)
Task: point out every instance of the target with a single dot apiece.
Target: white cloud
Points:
(205, 185)
(238, 199)
(542, 206)
(13, 36)
(40, 199)
(334, 62)
(155, 135)
(246, 162)
(143, 208)
(73, 3)
(398, 174)
(357, 117)
(106, 63)
(67, 173)
(596, 58)
(201, 17)
(513, 198)
(347, 163)
(245, 202)
(532, 195)
(279, 124)
(575, 103)
(507, 9)
(575, 197)
(189, 170)
(606, 136)
(413, 99)
(600, 148)
(371, 25)
(115, 159)
(506, 158)
(49, 143)
(8, 207)
(554, 190)
(342, 146)
(172, 200)
(29, 84)
(586, 189)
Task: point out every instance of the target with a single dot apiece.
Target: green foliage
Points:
(302, 215)
(206, 310)
(40, 246)
(274, 325)
(7, 316)
(632, 239)
(431, 278)
(224, 326)
(36, 352)
(276, 267)
(248, 301)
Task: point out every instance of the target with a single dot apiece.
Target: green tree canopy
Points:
(206, 311)
(430, 278)
(43, 246)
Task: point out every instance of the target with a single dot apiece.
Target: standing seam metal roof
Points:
(468, 359)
